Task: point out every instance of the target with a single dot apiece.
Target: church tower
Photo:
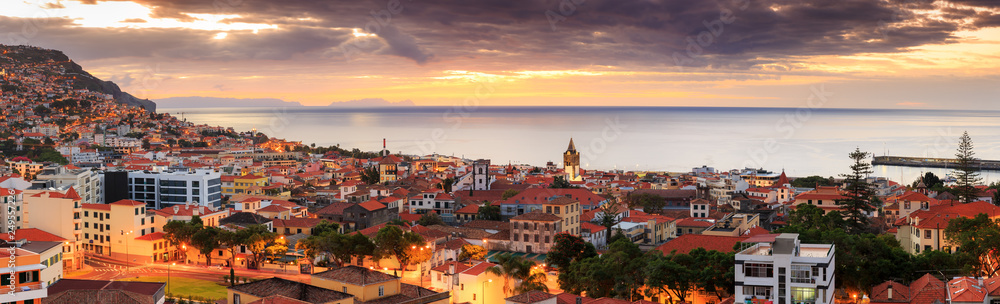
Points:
(571, 162)
(481, 175)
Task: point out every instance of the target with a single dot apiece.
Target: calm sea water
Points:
(800, 141)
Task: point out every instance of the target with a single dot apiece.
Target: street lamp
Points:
(125, 235)
(168, 276)
(484, 291)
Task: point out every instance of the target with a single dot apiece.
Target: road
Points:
(106, 269)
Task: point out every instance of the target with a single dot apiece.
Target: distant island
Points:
(219, 102)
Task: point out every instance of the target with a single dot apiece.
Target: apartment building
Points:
(781, 269)
(87, 183)
(110, 229)
(13, 201)
(36, 266)
(534, 232)
(59, 214)
(163, 189)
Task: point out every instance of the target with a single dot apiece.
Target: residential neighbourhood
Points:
(101, 195)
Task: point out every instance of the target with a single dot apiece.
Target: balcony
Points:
(27, 291)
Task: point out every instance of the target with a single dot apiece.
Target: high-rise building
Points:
(571, 162)
(163, 189)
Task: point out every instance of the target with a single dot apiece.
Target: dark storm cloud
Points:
(101, 43)
(718, 33)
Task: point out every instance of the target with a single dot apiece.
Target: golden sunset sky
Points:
(740, 53)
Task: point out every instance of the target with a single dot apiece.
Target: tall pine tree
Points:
(858, 193)
(966, 170)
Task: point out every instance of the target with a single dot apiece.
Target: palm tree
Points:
(517, 268)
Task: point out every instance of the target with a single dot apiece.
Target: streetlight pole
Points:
(127, 256)
(168, 276)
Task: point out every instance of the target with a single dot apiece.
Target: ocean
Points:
(801, 141)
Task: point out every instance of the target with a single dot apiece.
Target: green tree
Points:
(370, 175)
(806, 217)
(446, 184)
(649, 202)
(859, 193)
(473, 252)
(609, 216)
(324, 227)
(980, 238)
(930, 180)
(568, 249)
(489, 212)
(519, 270)
(618, 273)
(231, 240)
(812, 181)
(206, 240)
(179, 233)
(509, 193)
(256, 238)
(391, 241)
(966, 171)
(560, 182)
(429, 219)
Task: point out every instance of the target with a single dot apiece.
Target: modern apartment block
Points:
(781, 269)
(163, 189)
(86, 182)
(12, 203)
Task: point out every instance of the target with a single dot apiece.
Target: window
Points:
(927, 234)
(801, 274)
(461, 287)
(236, 298)
(758, 270)
(381, 291)
(546, 239)
(536, 238)
(803, 294)
(758, 291)
(345, 287)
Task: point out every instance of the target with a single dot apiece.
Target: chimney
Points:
(889, 291)
(579, 300)
(177, 208)
(195, 211)
(451, 268)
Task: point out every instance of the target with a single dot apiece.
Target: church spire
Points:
(571, 147)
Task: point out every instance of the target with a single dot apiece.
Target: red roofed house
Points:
(687, 242)
(824, 197)
(925, 290)
(469, 282)
(72, 256)
(594, 234)
(59, 214)
(923, 229)
(367, 214)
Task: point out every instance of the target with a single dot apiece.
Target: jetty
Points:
(928, 162)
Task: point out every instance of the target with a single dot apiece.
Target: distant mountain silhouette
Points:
(219, 102)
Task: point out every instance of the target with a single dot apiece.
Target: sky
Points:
(896, 54)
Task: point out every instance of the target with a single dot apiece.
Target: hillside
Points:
(82, 79)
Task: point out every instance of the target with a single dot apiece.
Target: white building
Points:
(781, 269)
(163, 189)
(86, 182)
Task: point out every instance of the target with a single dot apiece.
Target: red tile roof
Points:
(151, 236)
(372, 205)
(459, 267)
(38, 235)
(273, 208)
(900, 293)
(470, 209)
(128, 202)
(104, 207)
